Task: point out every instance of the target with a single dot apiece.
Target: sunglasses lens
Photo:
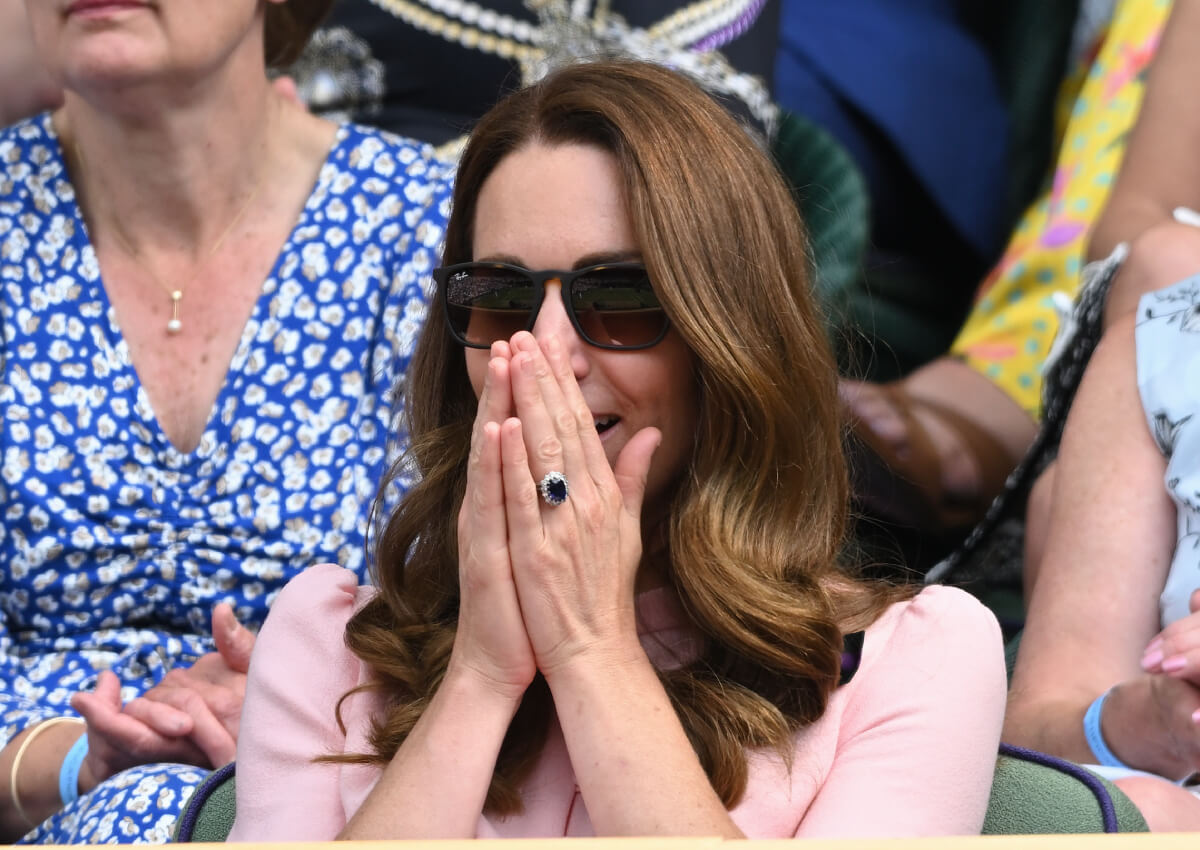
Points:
(486, 304)
(617, 307)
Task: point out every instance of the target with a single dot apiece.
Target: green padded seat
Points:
(1031, 794)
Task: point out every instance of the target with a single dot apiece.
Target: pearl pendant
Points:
(174, 326)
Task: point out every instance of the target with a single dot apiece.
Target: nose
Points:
(553, 321)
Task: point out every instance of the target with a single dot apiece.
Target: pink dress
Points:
(907, 747)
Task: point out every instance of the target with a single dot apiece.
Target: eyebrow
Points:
(594, 259)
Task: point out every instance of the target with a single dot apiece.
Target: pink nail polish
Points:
(1152, 659)
(1174, 664)
(1196, 717)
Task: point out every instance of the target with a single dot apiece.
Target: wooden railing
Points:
(1145, 841)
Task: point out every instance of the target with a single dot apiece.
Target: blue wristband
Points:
(68, 776)
(1095, 737)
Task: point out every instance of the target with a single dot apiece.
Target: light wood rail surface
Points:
(1141, 841)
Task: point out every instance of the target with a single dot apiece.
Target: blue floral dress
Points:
(114, 546)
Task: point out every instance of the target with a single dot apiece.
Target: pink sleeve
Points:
(920, 731)
(299, 669)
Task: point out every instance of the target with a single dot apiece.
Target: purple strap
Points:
(1108, 811)
(852, 645)
(191, 812)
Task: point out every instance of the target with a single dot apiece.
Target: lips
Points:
(95, 8)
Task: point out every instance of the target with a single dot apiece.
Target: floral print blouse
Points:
(1168, 367)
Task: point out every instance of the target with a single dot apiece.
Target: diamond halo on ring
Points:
(554, 488)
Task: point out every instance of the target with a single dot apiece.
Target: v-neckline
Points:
(175, 457)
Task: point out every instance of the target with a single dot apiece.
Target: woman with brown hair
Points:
(208, 298)
(613, 603)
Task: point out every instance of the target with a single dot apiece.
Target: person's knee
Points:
(1166, 807)
(1160, 256)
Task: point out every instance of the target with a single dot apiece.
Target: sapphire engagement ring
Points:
(554, 488)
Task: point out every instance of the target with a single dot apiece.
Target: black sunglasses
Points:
(611, 305)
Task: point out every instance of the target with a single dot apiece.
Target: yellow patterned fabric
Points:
(1013, 321)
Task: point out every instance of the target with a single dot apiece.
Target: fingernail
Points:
(1152, 658)
(1196, 716)
(1174, 664)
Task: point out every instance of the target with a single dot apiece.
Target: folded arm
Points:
(1094, 609)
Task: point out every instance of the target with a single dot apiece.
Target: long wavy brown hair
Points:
(758, 519)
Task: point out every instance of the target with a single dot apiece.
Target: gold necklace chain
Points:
(174, 324)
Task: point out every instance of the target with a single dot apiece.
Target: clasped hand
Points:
(545, 587)
(1172, 659)
(191, 716)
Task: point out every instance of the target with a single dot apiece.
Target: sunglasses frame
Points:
(565, 278)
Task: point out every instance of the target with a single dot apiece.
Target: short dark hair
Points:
(289, 26)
